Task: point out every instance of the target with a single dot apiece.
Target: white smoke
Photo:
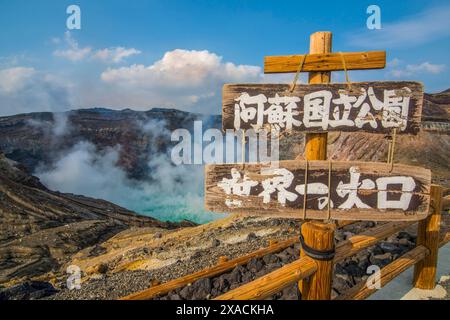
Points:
(54, 129)
(61, 124)
(172, 193)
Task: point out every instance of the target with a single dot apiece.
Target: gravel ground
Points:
(347, 273)
(113, 286)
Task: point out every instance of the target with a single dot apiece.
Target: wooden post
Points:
(319, 236)
(428, 236)
(316, 143)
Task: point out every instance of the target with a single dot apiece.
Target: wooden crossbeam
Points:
(272, 282)
(326, 62)
(355, 244)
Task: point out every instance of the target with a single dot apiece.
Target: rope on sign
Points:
(300, 67)
(329, 189)
(243, 143)
(306, 190)
(350, 88)
(391, 149)
(347, 80)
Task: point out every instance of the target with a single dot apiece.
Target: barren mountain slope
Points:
(40, 229)
(39, 138)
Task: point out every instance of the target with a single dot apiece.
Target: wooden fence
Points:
(315, 276)
(423, 256)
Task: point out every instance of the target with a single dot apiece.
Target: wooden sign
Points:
(353, 191)
(375, 107)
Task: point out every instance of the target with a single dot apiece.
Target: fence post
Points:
(428, 236)
(318, 236)
(316, 143)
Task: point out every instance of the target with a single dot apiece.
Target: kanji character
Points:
(281, 180)
(395, 107)
(365, 116)
(280, 118)
(351, 190)
(236, 185)
(316, 188)
(244, 113)
(317, 109)
(407, 186)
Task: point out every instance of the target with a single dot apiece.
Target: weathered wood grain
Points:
(318, 286)
(326, 62)
(316, 143)
(318, 236)
(217, 200)
(235, 97)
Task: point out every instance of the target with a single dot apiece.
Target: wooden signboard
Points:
(353, 191)
(375, 107)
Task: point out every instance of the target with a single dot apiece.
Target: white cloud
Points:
(426, 67)
(181, 68)
(399, 71)
(115, 55)
(182, 79)
(73, 52)
(421, 28)
(15, 60)
(24, 89)
(14, 79)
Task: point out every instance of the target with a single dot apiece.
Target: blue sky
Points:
(143, 54)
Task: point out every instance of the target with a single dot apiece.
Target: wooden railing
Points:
(423, 256)
(389, 272)
(223, 266)
(273, 282)
(367, 239)
(344, 250)
(307, 269)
